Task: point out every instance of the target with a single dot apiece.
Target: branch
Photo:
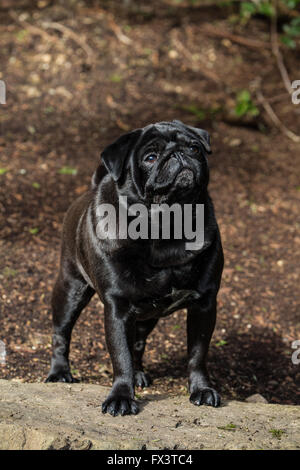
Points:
(252, 43)
(277, 54)
(70, 33)
(207, 73)
(273, 116)
(35, 30)
(32, 29)
(117, 30)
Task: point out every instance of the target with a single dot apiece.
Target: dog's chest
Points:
(167, 304)
(179, 298)
(165, 291)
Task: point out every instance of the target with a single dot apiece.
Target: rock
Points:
(256, 398)
(38, 416)
(235, 142)
(273, 383)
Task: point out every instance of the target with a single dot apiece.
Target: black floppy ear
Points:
(204, 138)
(115, 155)
(202, 135)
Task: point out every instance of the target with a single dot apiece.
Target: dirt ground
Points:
(69, 95)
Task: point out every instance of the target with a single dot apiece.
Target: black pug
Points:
(140, 281)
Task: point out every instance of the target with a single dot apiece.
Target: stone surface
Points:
(256, 398)
(63, 416)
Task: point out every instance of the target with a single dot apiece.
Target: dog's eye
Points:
(194, 149)
(151, 158)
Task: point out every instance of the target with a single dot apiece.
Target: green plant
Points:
(228, 427)
(34, 230)
(9, 272)
(198, 112)
(248, 9)
(244, 104)
(266, 8)
(277, 433)
(67, 170)
(291, 4)
(292, 31)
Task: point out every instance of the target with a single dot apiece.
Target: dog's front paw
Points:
(142, 379)
(61, 376)
(205, 396)
(120, 405)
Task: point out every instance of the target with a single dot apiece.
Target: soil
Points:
(67, 98)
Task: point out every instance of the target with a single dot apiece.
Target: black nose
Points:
(169, 169)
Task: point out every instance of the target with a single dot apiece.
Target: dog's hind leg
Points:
(143, 329)
(70, 295)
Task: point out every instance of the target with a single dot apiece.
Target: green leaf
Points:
(228, 427)
(115, 78)
(291, 3)
(277, 432)
(3, 171)
(48, 109)
(9, 272)
(21, 35)
(67, 170)
(266, 8)
(248, 9)
(244, 104)
(292, 29)
(289, 42)
(34, 230)
(220, 343)
(241, 109)
(244, 95)
(253, 111)
(36, 185)
(198, 112)
(238, 267)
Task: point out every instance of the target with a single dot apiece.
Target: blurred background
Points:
(80, 73)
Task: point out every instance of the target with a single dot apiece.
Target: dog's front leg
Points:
(120, 334)
(201, 321)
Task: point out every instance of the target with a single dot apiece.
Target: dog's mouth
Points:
(185, 179)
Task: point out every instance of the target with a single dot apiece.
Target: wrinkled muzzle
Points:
(172, 173)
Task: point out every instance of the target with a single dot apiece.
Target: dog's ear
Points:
(204, 138)
(202, 135)
(115, 155)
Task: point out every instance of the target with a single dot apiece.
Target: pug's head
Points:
(162, 162)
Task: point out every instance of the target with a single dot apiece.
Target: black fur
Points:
(140, 281)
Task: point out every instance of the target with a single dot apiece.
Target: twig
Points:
(32, 29)
(197, 5)
(275, 119)
(69, 33)
(277, 54)
(117, 30)
(35, 30)
(277, 98)
(109, 18)
(203, 69)
(252, 43)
